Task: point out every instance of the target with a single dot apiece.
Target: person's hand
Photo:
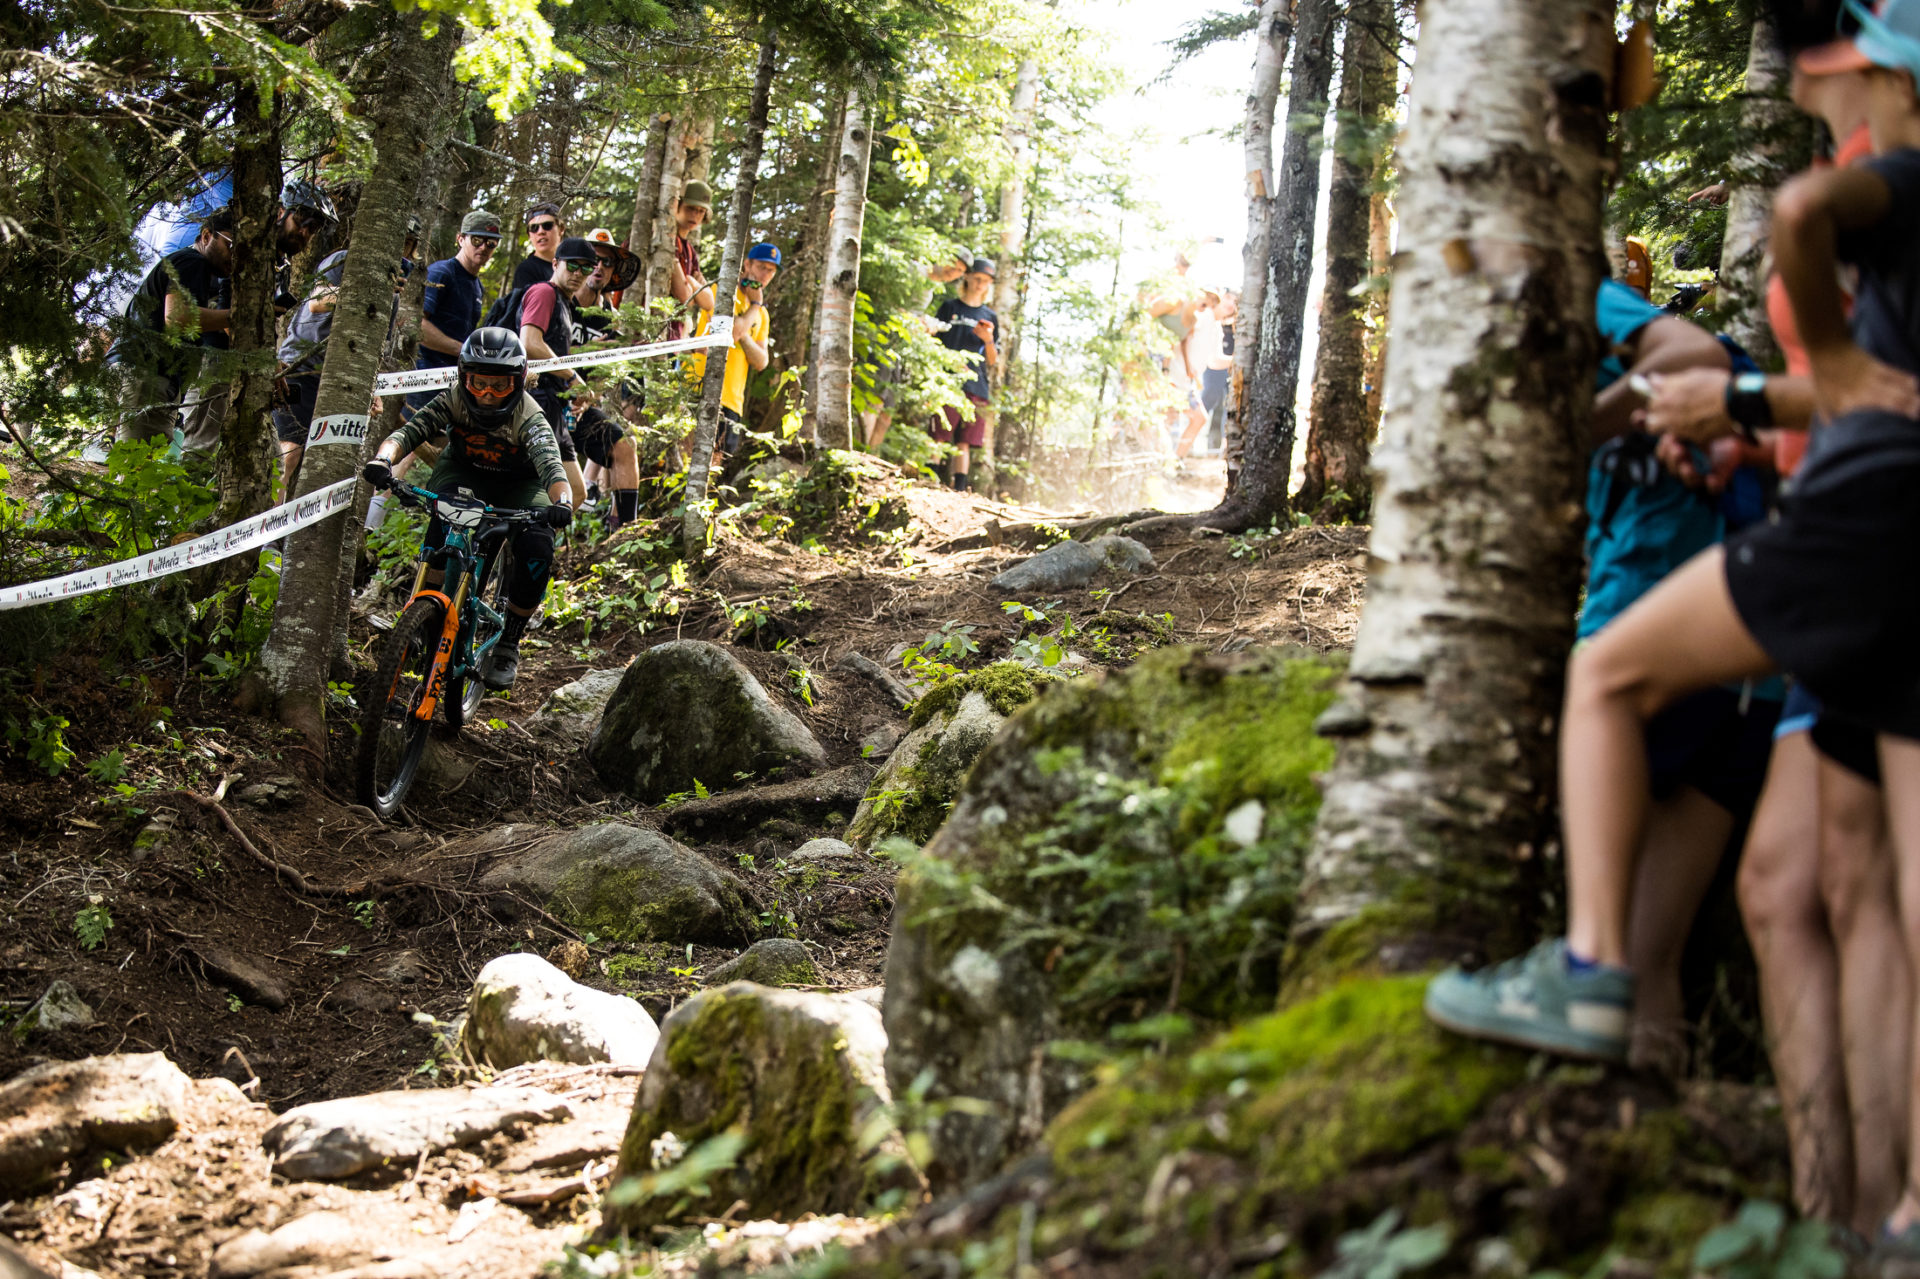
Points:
(1848, 380)
(1715, 195)
(378, 473)
(1691, 404)
(984, 330)
(559, 515)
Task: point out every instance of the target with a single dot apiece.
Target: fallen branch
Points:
(866, 667)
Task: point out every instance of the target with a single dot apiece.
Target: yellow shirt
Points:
(733, 389)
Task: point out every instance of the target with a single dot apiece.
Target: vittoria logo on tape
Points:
(338, 428)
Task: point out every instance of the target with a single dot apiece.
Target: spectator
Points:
(545, 229)
(545, 325)
(304, 211)
(599, 292)
(454, 299)
(1176, 309)
(601, 437)
(1807, 591)
(1218, 375)
(972, 327)
(892, 372)
(684, 281)
(301, 353)
(181, 306)
(749, 349)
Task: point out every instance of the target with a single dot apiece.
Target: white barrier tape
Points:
(269, 526)
(721, 334)
(338, 428)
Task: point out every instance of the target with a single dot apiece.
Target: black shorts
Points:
(595, 438)
(1843, 741)
(294, 419)
(556, 410)
(1822, 586)
(1717, 741)
(733, 430)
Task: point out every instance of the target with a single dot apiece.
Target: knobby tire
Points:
(383, 776)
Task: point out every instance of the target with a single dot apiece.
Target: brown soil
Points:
(366, 975)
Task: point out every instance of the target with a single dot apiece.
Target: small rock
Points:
(572, 710)
(406, 967)
(880, 740)
(874, 995)
(332, 1139)
(53, 1113)
(626, 883)
(911, 794)
(1068, 565)
(524, 1009)
(776, 961)
(815, 850)
(801, 1072)
(274, 793)
(328, 1240)
(246, 977)
(15, 1264)
(363, 996)
(687, 711)
(571, 957)
(61, 1008)
(443, 769)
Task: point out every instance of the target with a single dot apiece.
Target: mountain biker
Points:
(501, 450)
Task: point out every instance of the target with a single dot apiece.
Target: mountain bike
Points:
(438, 652)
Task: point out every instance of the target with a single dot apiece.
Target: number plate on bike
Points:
(459, 514)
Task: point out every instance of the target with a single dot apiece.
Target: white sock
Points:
(376, 511)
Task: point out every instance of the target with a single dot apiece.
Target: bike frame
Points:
(460, 559)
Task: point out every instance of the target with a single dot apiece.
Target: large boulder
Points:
(952, 723)
(524, 1009)
(67, 1109)
(799, 1075)
(1125, 846)
(688, 712)
(628, 884)
(571, 711)
(1067, 566)
(327, 1140)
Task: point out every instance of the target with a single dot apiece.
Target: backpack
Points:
(505, 311)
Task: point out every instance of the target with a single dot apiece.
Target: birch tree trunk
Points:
(646, 196)
(673, 176)
(798, 319)
(1437, 819)
(1269, 60)
(1334, 484)
(1379, 267)
(834, 341)
(1013, 217)
(707, 423)
(1757, 172)
(294, 661)
(1266, 442)
(244, 465)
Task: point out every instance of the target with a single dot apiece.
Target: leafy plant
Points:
(91, 923)
(802, 683)
(1760, 1244)
(234, 1003)
(684, 1178)
(109, 768)
(1385, 1251)
(43, 739)
(363, 913)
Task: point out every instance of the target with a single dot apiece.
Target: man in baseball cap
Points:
(750, 345)
(686, 283)
(1888, 38)
(545, 227)
(454, 299)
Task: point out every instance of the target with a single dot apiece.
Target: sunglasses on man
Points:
(538, 227)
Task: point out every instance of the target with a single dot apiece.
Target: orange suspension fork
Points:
(443, 655)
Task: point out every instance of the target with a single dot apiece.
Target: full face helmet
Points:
(493, 373)
(303, 197)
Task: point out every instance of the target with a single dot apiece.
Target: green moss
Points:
(1662, 1226)
(627, 906)
(632, 969)
(1007, 686)
(1299, 1097)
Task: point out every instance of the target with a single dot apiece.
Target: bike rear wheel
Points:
(465, 694)
(392, 738)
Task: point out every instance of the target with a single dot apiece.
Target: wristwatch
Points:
(1747, 404)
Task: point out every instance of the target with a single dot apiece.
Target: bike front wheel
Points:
(465, 693)
(393, 738)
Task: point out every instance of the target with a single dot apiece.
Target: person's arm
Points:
(429, 421)
(1661, 346)
(434, 340)
(212, 319)
(1809, 215)
(323, 300)
(1692, 403)
(755, 349)
(990, 340)
(544, 455)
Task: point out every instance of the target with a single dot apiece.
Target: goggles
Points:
(490, 388)
(308, 220)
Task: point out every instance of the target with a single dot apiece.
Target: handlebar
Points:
(413, 495)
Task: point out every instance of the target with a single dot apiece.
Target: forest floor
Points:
(145, 904)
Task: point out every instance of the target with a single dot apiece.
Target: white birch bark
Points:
(1013, 217)
(673, 177)
(834, 340)
(1757, 172)
(1269, 60)
(1438, 810)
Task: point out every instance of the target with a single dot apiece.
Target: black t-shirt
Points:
(188, 271)
(533, 270)
(1886, 298)
(959, 336)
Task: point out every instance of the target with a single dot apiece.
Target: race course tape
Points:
(436, 379)
(269, 526)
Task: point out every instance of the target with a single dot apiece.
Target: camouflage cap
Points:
(482, 224)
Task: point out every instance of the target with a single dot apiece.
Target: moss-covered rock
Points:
(772, 961)
(688, 712)
(798, 1076)
(627, 884)
(911, 795)
(1126, 847)
(1256, 1151)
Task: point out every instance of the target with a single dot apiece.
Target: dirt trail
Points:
(362, 981)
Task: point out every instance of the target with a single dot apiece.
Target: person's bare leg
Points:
(877, 429)
(626, 464)
(1779, 889)
(289, 465)
(1857, 883)
(1196, 423)
(1900, 783)
(1681, 636)
(1686, 835)
(961, 455)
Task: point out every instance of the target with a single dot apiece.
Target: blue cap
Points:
(1890, 39)
(765, 251)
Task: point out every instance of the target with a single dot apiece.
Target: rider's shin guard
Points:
(376, 512)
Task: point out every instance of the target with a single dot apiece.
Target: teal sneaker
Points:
(1534, 1001)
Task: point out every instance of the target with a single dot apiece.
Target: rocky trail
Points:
(255, 1031)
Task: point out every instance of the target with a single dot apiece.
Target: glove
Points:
(378, 473)
(560, 515)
